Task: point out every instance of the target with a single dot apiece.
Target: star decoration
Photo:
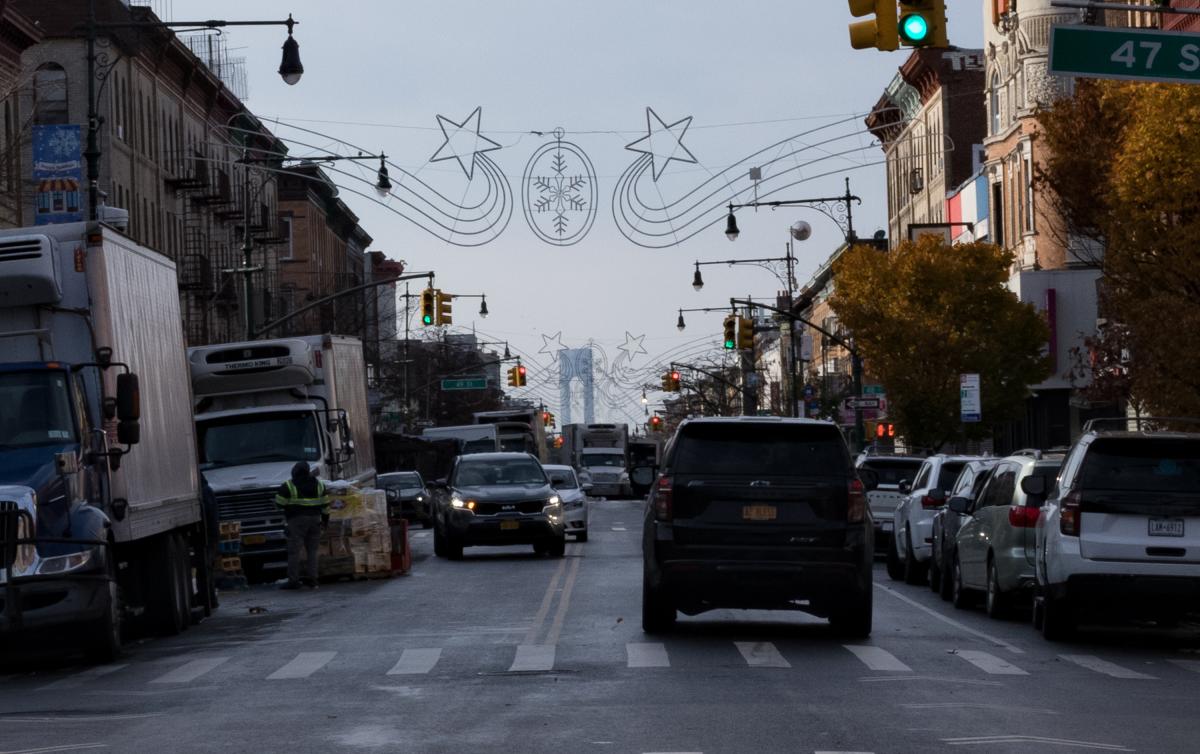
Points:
(463, 142)
(556, 340)
(663, 142)
(633, 346)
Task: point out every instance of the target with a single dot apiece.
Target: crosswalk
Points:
(870, 662)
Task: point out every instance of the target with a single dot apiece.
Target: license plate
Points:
(507, 525)
(254, 539)
(758, 513)
(1166, 527)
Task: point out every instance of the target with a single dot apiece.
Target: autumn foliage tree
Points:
(924, 313)
(1125, 168)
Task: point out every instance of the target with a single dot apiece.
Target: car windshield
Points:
(498, 473)
(35, 409)
(604, 459)
(1159, 464)
(760, 450)
(893, 470)
(399, 480)
(258, 438)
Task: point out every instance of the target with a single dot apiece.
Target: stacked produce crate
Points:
(229, 562)
(357, 542)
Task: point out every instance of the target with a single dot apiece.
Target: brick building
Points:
(17, 33)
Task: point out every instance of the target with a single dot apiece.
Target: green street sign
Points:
(1138, 54)
(874, 390)
(470, 383)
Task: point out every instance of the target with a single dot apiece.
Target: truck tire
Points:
(164, 603)
(102, 637)
(183, 570)
(853, 619)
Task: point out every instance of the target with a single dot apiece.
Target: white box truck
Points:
(101, 516)
(263, 405)
(601, 450)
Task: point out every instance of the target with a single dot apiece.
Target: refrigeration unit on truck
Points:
(602, 451)
(101, 517)
(261, 406)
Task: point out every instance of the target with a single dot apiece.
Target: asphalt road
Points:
(505, 651)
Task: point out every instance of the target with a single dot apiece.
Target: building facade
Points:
(17, 34)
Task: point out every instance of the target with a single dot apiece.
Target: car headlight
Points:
(553, 507)
(461, 504)
(65, 563)
(420, 498)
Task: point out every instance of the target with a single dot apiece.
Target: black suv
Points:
(497, 499)
(758, 512)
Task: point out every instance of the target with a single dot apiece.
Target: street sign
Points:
(873, 390)
(469, 383)
(1139, 54)
(968, 393)
(863, 402)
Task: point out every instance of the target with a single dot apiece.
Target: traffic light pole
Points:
(356, 289)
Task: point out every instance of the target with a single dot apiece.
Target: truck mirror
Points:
(349, 447)
(129, 432)
(129, 398)
(67, 463)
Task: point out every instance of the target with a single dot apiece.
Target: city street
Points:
(506, 651)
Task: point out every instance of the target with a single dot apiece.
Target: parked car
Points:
(758, 512)
(1119, 533)
(891, 470)
(498, 499)
(946, 523)
(407, 496)
(908, 557)
(994, 548)
(574, 499)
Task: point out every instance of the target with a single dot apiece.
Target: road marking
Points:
(877, 658)
(416, 661)
(544, 609)
(647, 655)
(302, 666)
(761, 654)
(989, 663)
(972, 705)
(1092, 662)
(40, 719)
(190, 671)
(984, 740)
(533, 657)
(79, 679)
(950, 621)
(930, 678)
(619, 528)
(48, 749)
(1192, 665)
(564, 600)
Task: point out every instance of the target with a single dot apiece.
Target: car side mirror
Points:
(904, 487)
(938, 495)
(869, 479)
(1034, 486)
(960, 505)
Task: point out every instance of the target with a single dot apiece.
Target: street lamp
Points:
(697, 281)
(680, 324)
(483, 310)
(731, 228)
(290, 68)
(383, 186)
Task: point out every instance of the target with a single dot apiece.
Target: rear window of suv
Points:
(1130, 464)
(760, 450)
(893, 470)
(948, 474)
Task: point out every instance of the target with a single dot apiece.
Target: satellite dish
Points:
(801, 230)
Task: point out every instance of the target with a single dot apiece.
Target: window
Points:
(50, 95)
(994, 104)
(922, 477)
(1027, 165)
(285, 231)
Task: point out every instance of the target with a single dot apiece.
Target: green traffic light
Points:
(914, 27)
(729, 344)
(427, 319)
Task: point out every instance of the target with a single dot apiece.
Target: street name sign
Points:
(968, 393)
(1139, 54)
(865, 402)
(469, 383)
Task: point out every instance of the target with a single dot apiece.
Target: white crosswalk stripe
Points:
(1192, 665)
(989, 663)
(78, 679)
(416, 661)
(761, 654)
(532, 658)
(302, 666)
(190, 671)
(1092, 662)
(647, 655)
(877, 658)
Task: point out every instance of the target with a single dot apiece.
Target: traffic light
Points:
(666, 382)
(745, 333)
(520, 375)
(512, 377)
(427, 306)
(443, 313)
(675, 386)
(730, 341)
(881, 33)
(922, 23)
(656, 424)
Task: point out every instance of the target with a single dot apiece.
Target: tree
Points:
(924, 313)
(1126, 170)
(420, 384)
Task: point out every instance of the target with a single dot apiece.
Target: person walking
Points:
(302, 499)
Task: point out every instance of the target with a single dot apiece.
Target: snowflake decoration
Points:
(560, 193)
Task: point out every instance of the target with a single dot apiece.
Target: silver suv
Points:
(891, 470)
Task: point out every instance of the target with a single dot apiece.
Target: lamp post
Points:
(680, 324)
(836, 208)
(483, 307)
(290, 70)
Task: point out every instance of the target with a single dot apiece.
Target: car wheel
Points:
(581, 536)
(658, 614)
(947, 586)
(895, 569)
(439, 542)
(935, 575)
(853, 619)
(996, 601)
(914, 572)
(959, 596)
(454, 548)
(557, 547)
(1058, 619)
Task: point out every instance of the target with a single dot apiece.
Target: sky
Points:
(766, 83)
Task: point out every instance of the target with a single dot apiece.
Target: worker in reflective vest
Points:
(302, 499)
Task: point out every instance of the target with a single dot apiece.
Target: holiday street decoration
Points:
(559, 192)
(663, 143)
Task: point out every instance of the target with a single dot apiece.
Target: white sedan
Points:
(574, 499)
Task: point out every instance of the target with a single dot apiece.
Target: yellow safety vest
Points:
(294, 498)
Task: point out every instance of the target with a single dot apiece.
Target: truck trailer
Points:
(101, 517)
(262, 406)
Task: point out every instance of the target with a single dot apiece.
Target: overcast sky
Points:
(770, 82)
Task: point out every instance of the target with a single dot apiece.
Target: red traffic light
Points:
(674, 375)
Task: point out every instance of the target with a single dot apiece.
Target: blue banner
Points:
(58, 173)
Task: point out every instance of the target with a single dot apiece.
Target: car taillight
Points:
(662, 499)
(1023, 516)
(1069, 514)
(928, 501)
(856, 502)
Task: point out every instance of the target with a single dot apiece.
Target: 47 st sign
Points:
(1137, 54)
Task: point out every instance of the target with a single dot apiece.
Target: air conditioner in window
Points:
(916, 181)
